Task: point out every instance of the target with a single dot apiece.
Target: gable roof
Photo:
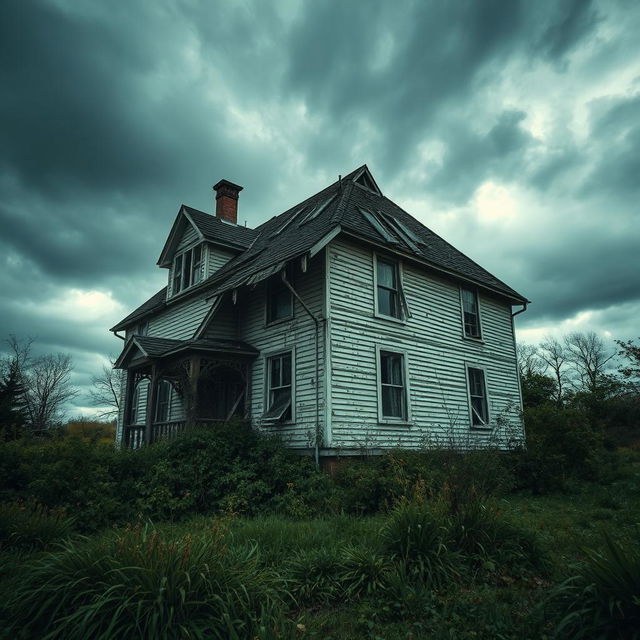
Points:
(353, 205)
(209, 228)
(152, 347)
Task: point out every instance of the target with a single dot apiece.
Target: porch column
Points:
(128, 397)
(194, 376)
(151, 405)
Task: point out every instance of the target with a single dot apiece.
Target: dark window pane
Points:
(286, 370)
(280, 303)
(276, 370)
(186, 270)
(388, 302)
(387, 274)
(392, 402)
(471, 316)
(391, 368)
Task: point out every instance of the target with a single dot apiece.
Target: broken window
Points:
(279, 396)
(478, 397)
(471, 313)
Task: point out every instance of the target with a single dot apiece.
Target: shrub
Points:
(32, 526)
(603, 599)
(138, 583)
(415, 534)
(314, 575)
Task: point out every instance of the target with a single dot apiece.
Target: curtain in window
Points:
(392, 383)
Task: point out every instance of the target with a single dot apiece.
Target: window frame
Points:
(477, 367)
(133, 408)
(186, 271)
(403, 306)
(167, 384)
(268, 357)
(476, 296)
(269, 295)
(393, 420)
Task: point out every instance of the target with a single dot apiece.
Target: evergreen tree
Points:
(12, 403)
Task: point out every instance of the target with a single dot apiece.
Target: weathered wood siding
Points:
(189, 237)
(436, 351)
(217, 258)
(297, 334)
(180, 320)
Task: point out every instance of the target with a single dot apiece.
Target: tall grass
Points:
(602, 600)
(141, 584)
(32, 526)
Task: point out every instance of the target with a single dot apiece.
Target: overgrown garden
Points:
(226, 534)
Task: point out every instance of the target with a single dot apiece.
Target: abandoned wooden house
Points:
(341, 324)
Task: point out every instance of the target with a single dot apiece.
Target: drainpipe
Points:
(287, 284)
(517, 313)
(115, 333)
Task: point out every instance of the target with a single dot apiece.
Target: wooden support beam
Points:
(151, 404)
(194, 377)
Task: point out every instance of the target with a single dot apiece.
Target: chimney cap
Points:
(228, 184)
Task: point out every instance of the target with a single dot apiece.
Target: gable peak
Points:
(363, 178)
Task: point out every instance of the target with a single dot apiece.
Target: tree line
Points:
(35, 390)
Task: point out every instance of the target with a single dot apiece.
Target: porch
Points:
(175, 385)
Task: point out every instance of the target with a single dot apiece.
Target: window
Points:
(393, 388)
(279, 300)
(470, 313)
(478, 397)
(279, 396)
(388, 288)
(163, 402)
(187, 269)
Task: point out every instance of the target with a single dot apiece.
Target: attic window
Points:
(316, 211)
(187, 269)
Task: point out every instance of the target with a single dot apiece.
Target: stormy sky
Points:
(510, 128)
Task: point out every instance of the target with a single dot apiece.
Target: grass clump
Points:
(32, 526)
(140, 583)
(602, 600)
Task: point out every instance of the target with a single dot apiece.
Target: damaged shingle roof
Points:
(355, 206)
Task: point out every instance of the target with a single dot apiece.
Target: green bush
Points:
(28, 525)
(561, 445)
(602, 600)
(139, 583)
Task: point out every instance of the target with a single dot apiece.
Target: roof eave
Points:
(517, 299)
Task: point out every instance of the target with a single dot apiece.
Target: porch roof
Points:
(152, 347)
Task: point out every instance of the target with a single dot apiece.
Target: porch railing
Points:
(134, 433)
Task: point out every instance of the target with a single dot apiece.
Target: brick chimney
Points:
(227, 200)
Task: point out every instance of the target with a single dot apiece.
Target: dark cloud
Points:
(111, 115)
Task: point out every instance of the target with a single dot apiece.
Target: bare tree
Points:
(105, 391)
(46, 381)
(553, 353)
(529, 360)
(589, 357)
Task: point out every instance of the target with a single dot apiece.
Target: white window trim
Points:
(475, 291)
(407, 389)
(402, 299)
(483, 368)
(271, 323)
(267, 355)
(204, 259)
(169, 401)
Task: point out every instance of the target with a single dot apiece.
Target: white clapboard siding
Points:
(217, 258)
(437, 354)
(298, 333)
(180, 320)
(189, 237)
